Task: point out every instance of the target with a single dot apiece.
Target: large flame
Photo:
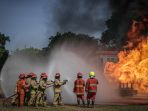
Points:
(132, 66)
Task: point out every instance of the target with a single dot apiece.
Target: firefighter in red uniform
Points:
(21, 89)
(78, 89)
(91, 88)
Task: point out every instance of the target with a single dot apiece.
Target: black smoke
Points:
(82, 16)
(123, 12)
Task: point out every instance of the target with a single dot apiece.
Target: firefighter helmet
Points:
(79, 74)
(33, 75)
(92, 74)
(43, 75)
(28, 75)
(57, 75)
(21, 76)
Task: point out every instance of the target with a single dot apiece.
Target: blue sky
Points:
(25, 22)
(29, 23)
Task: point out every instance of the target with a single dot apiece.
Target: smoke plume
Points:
(81, 16)
(123, 13)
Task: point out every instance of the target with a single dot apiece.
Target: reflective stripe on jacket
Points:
(21, 86)
(91, 85)
(79, 85)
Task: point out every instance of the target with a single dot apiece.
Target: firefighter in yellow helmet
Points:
(33, 89)
(91, 88)
(43, 84)
(58, 90)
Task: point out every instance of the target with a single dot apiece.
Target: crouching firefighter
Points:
(91, 88)
(43, 84)
(58, 90)
(79, 85)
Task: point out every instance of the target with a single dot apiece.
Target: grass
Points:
(75, 108)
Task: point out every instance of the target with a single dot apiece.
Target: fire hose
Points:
(6, 99)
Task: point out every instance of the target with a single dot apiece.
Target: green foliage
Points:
(117, 28)
(28, 51)
(32, 53)
(72, 39)
(3, 52)
(3, 39)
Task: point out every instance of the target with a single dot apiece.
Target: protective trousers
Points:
(27, 97)
(57, 99)
(14, 100)
(41, 99)
(32, 98)
(21, 99)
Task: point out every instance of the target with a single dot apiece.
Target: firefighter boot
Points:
(88, 103)
(83, 103)
(78, 102)
(92, 104)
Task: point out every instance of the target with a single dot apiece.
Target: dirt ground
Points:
(135, 104)
(123, 107)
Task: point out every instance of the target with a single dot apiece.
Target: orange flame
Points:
(132, 66)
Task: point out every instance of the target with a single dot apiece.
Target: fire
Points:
(132, 66)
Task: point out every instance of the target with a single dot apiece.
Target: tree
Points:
(3, 40)
(3, 52)
(82, 45)
(72, 40)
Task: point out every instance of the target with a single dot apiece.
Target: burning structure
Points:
(131, 70)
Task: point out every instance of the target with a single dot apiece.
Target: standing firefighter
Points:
(43, 84)
(27, 88)
(33, 89)
(58, 89)
(78, 89)
(91, 88)
(21, 89)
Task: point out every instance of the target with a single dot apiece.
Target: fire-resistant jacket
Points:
(91, 85)
(79, 86)
(58, 86)
(43, 84)
(33, 85)
(27, 84)
(21, 86)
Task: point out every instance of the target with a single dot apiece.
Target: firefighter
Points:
(91, 88)
(43, 83)
(14, 100)
(21, 89)
(33, 89)
(58, 90)
(27, 88)
(79, 85)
